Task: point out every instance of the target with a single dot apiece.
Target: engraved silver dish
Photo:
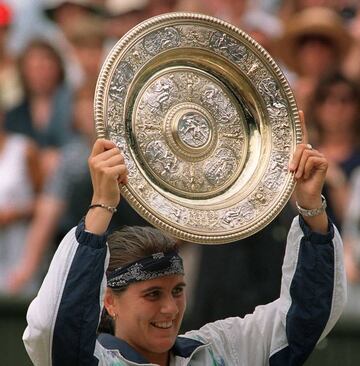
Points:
(207, 123)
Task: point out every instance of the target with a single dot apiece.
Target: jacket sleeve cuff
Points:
(315, 237)
(89, 239)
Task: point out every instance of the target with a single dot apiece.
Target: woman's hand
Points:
(309, 167)
(108, 170)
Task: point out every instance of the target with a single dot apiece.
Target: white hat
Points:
(119, 7)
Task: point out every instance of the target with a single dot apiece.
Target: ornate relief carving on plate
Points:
(207, 124)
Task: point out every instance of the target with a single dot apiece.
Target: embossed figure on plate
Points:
(193, 129)
(122, 76)
(162, 39)
(228, 46)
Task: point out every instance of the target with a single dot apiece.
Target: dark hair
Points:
(322, 92)
(135, 242)
(128, 245)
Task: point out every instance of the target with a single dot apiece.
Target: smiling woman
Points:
(137, 276)
(158, 303)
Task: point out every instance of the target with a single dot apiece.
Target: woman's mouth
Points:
(162, 325)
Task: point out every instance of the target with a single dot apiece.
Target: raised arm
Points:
(313, 289)
(63, 318)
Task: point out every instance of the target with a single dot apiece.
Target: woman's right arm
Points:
(63, 318)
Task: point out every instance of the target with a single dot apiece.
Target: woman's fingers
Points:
(100, 146)
(117, 172)
(305, 138)
(304, 160)
(110, 161)
(314, 163)
(296, 159)
(107, 162)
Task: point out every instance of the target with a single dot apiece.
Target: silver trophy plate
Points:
(207, 124)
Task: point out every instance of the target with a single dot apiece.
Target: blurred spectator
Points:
(228, 10)
(28, 23)
(20, 181)
(314, 43)
(87, 37)
(66, 195)
(351, 230)
(156, 7)
(191, 6)
(291, 7)
(10, 88)
(263, 27)
(44, 113)
(352, 64)
(351, 237)
(65, 14)
(334, 119)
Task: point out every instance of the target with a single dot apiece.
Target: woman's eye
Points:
(153, 295)
(177, 291)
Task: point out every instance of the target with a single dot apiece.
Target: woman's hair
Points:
(132, 243)
(128, 245)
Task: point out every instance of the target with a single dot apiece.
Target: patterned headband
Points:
(156, 265)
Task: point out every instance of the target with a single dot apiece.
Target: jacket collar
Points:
(183, 347)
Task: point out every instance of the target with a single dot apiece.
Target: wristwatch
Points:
(313, 212)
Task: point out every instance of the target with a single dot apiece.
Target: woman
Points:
(145, 297)
(335, 111)
(19, 185)
(44, 114)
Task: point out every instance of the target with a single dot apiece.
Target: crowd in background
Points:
(51, 52)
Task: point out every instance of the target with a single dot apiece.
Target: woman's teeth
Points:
(163, 325)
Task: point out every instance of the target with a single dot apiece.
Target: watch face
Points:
(207, 123)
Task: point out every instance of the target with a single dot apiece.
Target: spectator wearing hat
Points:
(314, 43)
(64, 14)
(10, 87)
(87, 38)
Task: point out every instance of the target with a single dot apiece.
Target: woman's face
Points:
(41, 71)
(316, 58)
(339, 110)
(149, 314)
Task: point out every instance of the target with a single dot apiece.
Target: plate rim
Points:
(100, 125)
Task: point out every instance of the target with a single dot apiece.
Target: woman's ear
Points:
(109, 302)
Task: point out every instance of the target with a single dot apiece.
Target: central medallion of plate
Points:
(190, 131)
(193, 129)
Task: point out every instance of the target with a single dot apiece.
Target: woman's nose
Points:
(169, 306)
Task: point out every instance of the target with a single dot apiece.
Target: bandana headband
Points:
(154, 266)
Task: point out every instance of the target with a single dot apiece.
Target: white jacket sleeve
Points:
(284, 332)
(63, 318)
